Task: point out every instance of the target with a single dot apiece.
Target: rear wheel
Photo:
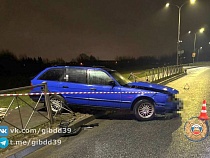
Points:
(144, 110)
(57, 103)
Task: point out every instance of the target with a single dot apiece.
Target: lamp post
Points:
(201, 30)
(179, 25)
(199, 52)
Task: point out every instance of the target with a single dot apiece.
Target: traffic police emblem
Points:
(196, 129)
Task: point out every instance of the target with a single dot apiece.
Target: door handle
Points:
(65, 87)
(93, 89)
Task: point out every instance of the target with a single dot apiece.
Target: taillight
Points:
(31, 87)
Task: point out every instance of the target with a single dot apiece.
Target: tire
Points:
(144, 110)
(57, 103)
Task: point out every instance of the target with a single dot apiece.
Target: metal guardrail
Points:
(18, 99)
(155, 74)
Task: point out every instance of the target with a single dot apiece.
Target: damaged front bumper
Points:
(179, 105)
(169, 107)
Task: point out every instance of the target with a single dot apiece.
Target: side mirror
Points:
(112, 83)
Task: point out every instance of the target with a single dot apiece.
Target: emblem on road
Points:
(196, 129)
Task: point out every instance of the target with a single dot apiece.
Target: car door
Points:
(52, 77)
(98, 81)
(75, 80)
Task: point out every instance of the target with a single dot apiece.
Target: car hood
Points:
(153, 87)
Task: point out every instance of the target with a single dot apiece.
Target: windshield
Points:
(119, 78)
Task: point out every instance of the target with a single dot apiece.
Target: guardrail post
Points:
(149, 76)
(47, 103)
(169, 71)
(172, 70)
(163, 72)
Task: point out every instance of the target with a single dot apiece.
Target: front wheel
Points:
(57, 103)
(144, 110)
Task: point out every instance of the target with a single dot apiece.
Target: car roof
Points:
(84, 67)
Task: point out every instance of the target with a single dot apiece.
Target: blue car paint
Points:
(155, 86)
(159, 94)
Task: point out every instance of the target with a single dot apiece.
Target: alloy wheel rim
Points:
(55, 104)
(146, 110)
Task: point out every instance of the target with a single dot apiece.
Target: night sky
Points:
(102, 28)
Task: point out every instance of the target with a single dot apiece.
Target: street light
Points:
(201, 30)
(199, 52)
(179, 24)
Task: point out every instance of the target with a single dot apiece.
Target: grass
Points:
(6, 100)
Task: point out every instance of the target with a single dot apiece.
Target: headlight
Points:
(171, 98)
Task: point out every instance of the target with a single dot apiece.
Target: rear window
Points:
(52, 75)
(76, 75)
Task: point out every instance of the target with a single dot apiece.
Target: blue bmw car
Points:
(99, 87)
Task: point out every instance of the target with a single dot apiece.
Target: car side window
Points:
(76, 75)
(52, 75)
(97, 77)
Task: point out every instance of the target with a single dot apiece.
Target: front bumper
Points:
(169, 107)
(179, 105)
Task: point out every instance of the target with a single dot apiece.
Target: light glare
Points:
(167, 4)
(202, 30)
(192, 1)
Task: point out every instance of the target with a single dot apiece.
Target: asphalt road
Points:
(121, 136)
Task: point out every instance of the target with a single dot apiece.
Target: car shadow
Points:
(124, 115)
(117, 115)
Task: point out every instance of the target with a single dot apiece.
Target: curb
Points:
(28, 150)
